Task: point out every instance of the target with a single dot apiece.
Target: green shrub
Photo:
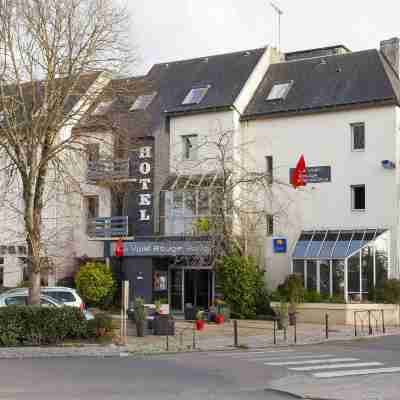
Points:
(240, 281)
(312, 296)
(104, 321)
(263, 304)
(96, 284)
(391, 291)
(35, 325)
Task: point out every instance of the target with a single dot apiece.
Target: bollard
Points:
(355, 323)
(194, 335)
(274, 331)
(295, 331)
(369, 323)
(383, 321)
(235, 333)
(284, 334)
(326, 326)
(167, 341)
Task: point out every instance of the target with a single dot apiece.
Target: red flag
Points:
(299, 174)
(119, 248)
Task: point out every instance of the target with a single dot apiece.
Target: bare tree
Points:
(239, 197)
(56, 57)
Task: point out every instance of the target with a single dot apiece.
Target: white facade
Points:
(64, 215)
(325, 140)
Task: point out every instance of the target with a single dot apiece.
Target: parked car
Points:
(65, 295)
(18, 298)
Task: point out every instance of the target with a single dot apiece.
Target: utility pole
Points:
(279, 12)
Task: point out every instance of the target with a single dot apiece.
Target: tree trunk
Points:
(34, 290)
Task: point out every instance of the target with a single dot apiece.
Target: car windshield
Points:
(62, 296)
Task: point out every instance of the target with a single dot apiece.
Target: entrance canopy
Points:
(333, 244)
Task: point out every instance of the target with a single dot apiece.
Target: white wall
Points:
(325, 140)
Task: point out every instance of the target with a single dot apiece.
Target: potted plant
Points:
(200, 320)
(283, 315)
(220, 316)
(140, 316)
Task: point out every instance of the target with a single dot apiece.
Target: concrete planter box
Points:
(341, 314)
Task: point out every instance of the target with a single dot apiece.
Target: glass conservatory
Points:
(347, 263)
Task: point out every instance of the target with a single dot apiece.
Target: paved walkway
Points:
(251, 334)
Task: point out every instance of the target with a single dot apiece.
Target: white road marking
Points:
(325, 360)
(223, 354)
(337, 366)
(288, 357)
(337, 374)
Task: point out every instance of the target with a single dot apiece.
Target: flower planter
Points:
(200, 323)
(219, 319)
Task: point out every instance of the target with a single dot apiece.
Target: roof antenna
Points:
(279, 12)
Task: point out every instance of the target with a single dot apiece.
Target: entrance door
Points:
(176, 289)
(198, 287)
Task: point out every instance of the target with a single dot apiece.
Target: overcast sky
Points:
(166, 30)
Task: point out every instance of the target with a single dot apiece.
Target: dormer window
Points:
(143, 101)
(102, 108)
(279, 91)
(196, 95)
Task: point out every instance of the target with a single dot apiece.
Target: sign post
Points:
(124, 311)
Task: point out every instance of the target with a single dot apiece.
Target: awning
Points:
(333, 244)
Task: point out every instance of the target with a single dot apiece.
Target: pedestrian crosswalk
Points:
(319, 365)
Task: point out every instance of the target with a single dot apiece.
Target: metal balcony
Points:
(108, 227)
(107, 171)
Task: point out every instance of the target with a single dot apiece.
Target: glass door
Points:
(176, 278)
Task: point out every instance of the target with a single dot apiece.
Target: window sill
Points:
(354, 210)
(358, 150)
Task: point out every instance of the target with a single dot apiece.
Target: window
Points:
(270, 224)
(16, 301)
(21, 250)
(279, 90)
(3, 249)
(143, 101)
(196, 95)
(64, 297)
(269, 169)
(358, 136)
(358, 197)
(11, 250)
(92, 207)
(102, 107)
(3, 119)
(93, 151)
(189, 147)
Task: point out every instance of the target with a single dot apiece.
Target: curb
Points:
(295, 395)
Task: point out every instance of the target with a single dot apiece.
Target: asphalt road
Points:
(214, 375)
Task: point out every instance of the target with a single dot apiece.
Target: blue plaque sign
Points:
(279, 245)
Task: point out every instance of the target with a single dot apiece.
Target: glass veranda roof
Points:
(333, 244)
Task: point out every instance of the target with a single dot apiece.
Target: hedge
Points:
(36, 325)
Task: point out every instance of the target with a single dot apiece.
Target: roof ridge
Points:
(210, 56)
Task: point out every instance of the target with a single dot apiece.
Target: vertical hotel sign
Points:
(145, 183)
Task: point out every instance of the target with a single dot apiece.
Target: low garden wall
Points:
(341, 314)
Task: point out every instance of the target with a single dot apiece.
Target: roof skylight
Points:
(196, 95)
(143, 101)
(279, 90)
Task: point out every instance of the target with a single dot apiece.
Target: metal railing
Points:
(369, 322)
(108, 227)
(107, 170)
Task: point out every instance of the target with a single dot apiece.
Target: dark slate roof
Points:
(123, 93)
(226, 74)
(322, 83)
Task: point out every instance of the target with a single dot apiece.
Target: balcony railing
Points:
(108, 170)
(105, 227)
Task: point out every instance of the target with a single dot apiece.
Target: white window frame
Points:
(281, 88)
(352, 126)
(352, 187)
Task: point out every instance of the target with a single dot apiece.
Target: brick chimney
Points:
(391, 50)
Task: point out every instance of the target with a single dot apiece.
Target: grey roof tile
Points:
(325, 82)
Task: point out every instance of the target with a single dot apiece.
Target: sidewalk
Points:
(251, 334)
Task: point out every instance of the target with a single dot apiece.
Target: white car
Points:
(18, 298)
(65, 295)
